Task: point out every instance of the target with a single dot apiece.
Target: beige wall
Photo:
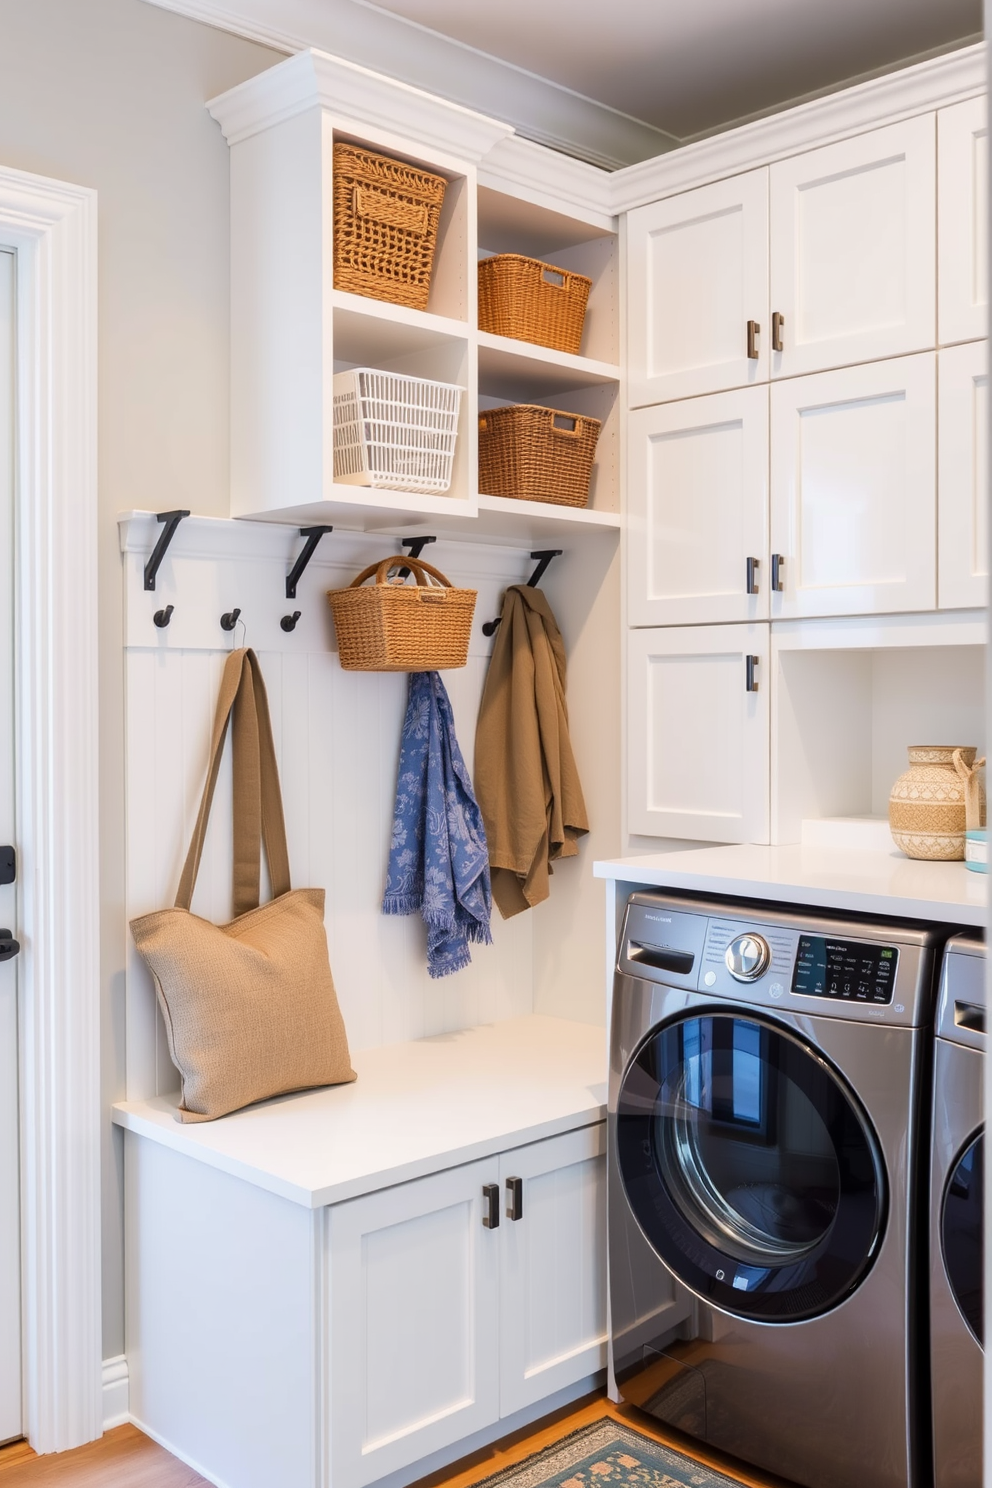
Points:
(110, 94)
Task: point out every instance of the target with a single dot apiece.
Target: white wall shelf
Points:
(514, 370)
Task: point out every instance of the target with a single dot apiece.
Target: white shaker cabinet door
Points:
(553, 1279)
(853, 490)
(697, 274)
(962, 221)
(697, 509)
(697, 704)
(962, 476)
(852, 250)
(413, 1320)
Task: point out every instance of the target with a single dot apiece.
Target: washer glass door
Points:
(750, 1166)
(961, 1233)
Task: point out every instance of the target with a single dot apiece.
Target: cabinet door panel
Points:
(697, 267)
(413, 1279)
(553, 1277)
(962, 221)
(852, 249)
(962, 483)
(697, 509)
(853, 509)
(698, 740)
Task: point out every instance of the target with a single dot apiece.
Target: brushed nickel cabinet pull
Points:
(753, 332)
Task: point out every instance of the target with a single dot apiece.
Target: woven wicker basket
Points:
(393, 626)
(532, 301)
(537, 454)
(386, 217)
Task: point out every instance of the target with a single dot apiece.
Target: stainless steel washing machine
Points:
(956, 1231)
(765, 1085)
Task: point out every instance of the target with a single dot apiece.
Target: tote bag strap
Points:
(257, 798)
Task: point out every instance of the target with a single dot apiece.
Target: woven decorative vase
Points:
(927, 804)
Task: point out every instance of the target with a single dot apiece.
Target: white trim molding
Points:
(888, 99)
(52, 228)
(116, 1392)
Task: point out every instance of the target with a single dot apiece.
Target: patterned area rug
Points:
(608, 1453)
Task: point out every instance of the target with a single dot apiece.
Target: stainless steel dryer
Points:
(956, 1194)
(765, 1084)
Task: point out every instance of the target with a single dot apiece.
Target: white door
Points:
(10, 1262)
(697, 761)
(962, 221)
(697, 510)
(962, 475)
(553, 1274)
(852, 249)
(697, 274)
(853, 490)
(414, 1321)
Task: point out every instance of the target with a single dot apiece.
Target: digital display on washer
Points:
(848, 970)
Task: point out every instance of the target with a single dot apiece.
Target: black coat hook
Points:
(230, 620)
(544, 557)
(416, 546)
(288, 622)
(171, 520)
(313, 536)
(162, 617)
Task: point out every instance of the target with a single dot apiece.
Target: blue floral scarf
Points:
(438, 860)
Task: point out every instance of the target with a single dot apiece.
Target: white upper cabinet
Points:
(698, 732)
(852, 250)
(962, 481)
(697, 274)
(853, 490)
(553, 1272)
(697, 510)
(962, 221)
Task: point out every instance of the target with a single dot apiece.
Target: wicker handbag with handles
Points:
(250, 1008)
(395, 626)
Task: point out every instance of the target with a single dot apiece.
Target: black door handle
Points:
(9, 947)
(490, 1200)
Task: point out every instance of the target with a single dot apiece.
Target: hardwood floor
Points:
(124, 1458)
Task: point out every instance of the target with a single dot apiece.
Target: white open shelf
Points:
(517, 369)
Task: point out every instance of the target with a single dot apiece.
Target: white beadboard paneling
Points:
(337, 738)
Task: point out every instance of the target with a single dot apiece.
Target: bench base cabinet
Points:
(270, 1343)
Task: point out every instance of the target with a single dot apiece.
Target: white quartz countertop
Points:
(868, 882)
(415, 1108)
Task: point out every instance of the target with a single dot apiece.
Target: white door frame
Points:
(52, 228)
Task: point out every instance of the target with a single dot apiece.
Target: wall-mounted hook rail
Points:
(288, 622)
(171, 519)
(543, 557)
(313, 536)
(230, 619)
(416, 546)
(162, 617)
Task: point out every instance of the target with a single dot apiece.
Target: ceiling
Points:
(689, 67)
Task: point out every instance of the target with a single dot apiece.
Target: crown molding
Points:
(390, 45)
(313, 78)
(895, 96)
(538, 174)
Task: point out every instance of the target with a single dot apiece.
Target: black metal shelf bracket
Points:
(416, 546)
(543, 558)
(313, 536)
(171, 520)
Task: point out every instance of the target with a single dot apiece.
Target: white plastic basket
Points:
(395, 432)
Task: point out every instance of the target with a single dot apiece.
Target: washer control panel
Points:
(747, 957)
(852, 971)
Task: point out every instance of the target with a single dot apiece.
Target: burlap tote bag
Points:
(250, 1007)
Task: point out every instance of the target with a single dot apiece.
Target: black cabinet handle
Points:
(753, 564)
(778, 563)
(514, 1198)
(490, 1205)
(750, 663)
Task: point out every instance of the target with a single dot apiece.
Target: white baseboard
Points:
(115, 1392)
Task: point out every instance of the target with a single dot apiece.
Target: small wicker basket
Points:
(532, 301)
(393, 626)
(386, 217)
(537, 454)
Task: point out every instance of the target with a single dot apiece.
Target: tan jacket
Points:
(525, 777)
